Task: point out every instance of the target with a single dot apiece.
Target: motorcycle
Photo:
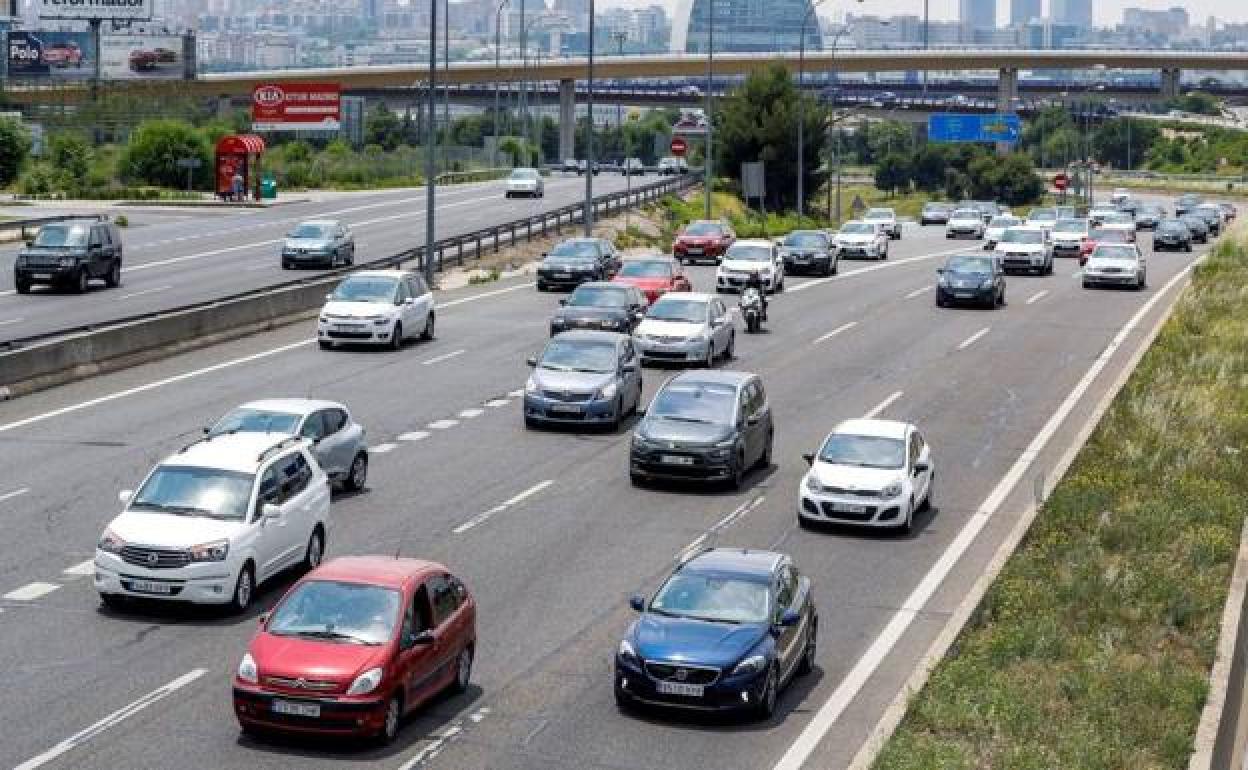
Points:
(751, 307)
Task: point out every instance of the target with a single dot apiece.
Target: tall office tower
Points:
(976, 15)
(1023, 11)
(1074, 12)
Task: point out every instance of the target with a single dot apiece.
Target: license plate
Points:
(348, 328)
(694, 250)
(297, 709)
(150, 587)
(801, 259)
(848, 508)
(565, 408)
(675, 460)
(678, 688)
(963, 294)
(42, 276)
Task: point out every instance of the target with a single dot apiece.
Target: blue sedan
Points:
(727, 631)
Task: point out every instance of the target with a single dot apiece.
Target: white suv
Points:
(377, 307)
(214, 520)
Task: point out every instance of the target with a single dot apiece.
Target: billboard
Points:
(130, 10)
(958, 127)
(296, 107)
(42, 54)
(141, 57)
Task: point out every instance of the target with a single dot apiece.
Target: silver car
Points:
(338, 441)
(686, 326)
(584, 377)
(525, 182)
(325, 242)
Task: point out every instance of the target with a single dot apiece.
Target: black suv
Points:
(70, 253)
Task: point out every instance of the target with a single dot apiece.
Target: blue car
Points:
(726, 632)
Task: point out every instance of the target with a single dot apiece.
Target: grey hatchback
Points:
(583, 377)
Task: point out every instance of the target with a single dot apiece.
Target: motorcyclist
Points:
(755, 281)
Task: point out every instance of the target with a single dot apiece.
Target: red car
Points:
(703, 239)
(62, 55)
(354, 646)
(655, 276)
(1097, 236)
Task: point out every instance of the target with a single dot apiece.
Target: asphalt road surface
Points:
(90, 688)
(175, 262)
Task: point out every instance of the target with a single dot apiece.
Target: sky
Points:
(1106, 12)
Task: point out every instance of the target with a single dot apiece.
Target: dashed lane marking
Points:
(1037, 296)
(381, 449)
(81, 569)
(917, 292)
(485, 516)
(416, 435)
(30, 592)
(443, 357)
(13, 494)
(836, 331)
(971, 340)
(469, 414)
(443, 424)
(880, 407)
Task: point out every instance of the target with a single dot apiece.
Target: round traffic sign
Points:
(679, 146)
(1060, 181)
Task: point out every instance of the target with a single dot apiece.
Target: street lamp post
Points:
(708, 160)
(430, 141)
(836, 39)
(498, 49)
(801, 109)
(588, 216)
(619, 37)
(446, 87)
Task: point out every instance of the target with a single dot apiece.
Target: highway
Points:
(999, 394)
(173, 263)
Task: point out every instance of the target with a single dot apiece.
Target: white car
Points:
(1026, 248)
(997, 227)
(377, 307)
(686, 327)
(750, 256)
(1042, 217)
(1116, 264)
(1119, 195)
(1098, 214)
(861, 239)
(965, 221)
(1122, 221)
(876, 473)
(1068, 237)
(526, 182)
(887, 219)
(214, 520)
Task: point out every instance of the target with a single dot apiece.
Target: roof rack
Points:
(279, 446)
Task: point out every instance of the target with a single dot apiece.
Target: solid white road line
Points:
(880, 407)
(443, 357)
(1037, 296)
(8, 321)
(856, 679)
(81, 569)
(134, 294)
(515, 393)
(442, 424)
(885, 265)
(381, 449)
(836, 331)
(485, 516)
(416, 435)
(483, 295)
(112, 720)
(30, 592)
(494, 403)
(13, 494)
(917, 292)
(971, 340)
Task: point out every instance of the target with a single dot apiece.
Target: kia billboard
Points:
(44, 54)
(296, 107)
(141, 57)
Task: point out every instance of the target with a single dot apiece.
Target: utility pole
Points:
(588, 215)
(446, 86)
(708, 161)
(430, 142)
(498, 49)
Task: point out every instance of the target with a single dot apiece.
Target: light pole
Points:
(588, 216)
(498, 50)
(619, 37)
(836, 39)
(430, 140)
(708, 161)
(801, 109)
(446, 87)
(524, 69)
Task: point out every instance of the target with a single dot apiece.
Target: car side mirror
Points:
(423, 638)
(271, 512)
(328, 297)
(753, 419)
(531, 360)
(207, 429)
(628, 368)
(922, 467)
(125, 495)
(637, 602)
(809, 457)
(30, 242)
(790, 618)
(408, 301)
(264, 618)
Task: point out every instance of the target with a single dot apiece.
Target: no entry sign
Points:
(679, 146)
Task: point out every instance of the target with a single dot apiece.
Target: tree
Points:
(1011, 180)
(69, 152)
(929, 168)
(155, 147)
(893, 172)
(758, 122)
(383, 127)
(1115, 140)
(14, 147)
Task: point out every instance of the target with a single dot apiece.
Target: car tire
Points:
(244, 589)
(357, 474)
(926, 505)
(811, 650)
(940, 300)
(1087, 285)
(113, 279)
(82, 281)
(325, 344)
(730, 352)
(351, 256)
(390, 724)
(737, 479)
(396, 336)
(463, 671)
(764, 459)
(636, 479)
(314, 554)
(113, 601)
(23, 287)
(709, 363)
(1188, 248)
(907, 524)
(766, 705)
(286, 265)
(428, 333)
(618, 410)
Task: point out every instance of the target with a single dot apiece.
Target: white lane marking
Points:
(688, 550)
(81, 569)
(381, 449)
(873, 268)
(1034, 298)
(443, 424)
(112, 720)
(443, 357)
(134, 294)
(515, 393)
(469, 414)
(416, 435)
(8, 321)
(880, 407)
(971, 340)
(30, 592)
(737, 513)
(917, 292)
(856, 679)
(485, 516)
(494, 293)
(836, 331)
(13, 494)
(260, 266)
(494, 403)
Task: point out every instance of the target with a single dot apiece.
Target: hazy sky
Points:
(1107, 12)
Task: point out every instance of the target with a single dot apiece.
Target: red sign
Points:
(1060, 181)
(296, 107)
(679, 146)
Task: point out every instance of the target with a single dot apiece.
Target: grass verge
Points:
(1093, 647)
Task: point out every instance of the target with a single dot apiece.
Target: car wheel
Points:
(737, 479)
(623, 701)
(113, 601)
(390, 726)
(286, 265)
(1187, 247)
(113, 280)
(81, 280)
(767, 699)
(812, 646)
(617, 410)
(1143, 284)
(926, 505)
(396, 336)
(315, 551)
(730, 351)
(940, 300)
(351, 256)
(1087, 285)
(709, 363)
(764, 460)
(358, 472)
(463, 671)
(325, 344)
(244, 589)
(907, 524)
(23, 287)
(635, 478)
(427, 334)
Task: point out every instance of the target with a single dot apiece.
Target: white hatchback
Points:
(377, 307)
(750, 256)
(214, 520)
(963, 222)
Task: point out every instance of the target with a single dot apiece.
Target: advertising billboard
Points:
(296, 107)
(42, 54)
(129, 10)
(141, 57)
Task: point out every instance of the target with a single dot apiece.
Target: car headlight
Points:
(323, 319)
(110, 542)
(986, 283)
(626, 652)
(214, 551)
(751, 665)
(366, 682)
(530, 386)
(890, 491)
(247, 669)
(813, 484)
(641, 442)
(608, 392)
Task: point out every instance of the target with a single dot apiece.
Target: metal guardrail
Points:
(37, 222)
(453, 250)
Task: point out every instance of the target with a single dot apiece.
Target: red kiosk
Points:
(238, 154)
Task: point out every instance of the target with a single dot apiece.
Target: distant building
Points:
(744, 25)
(1161, 24)
(1076, 12)
(1024, 12)
(975, 16)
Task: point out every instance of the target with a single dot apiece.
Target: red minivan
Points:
(354, 646)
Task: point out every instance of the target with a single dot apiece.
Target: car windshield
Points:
(804, 240)
(574, 251)
(1171, 226)
(1208, 211)
(879, 214)
(334, 611)
(244, 420)
(704, 228)
(967, 214)
(686, 310)
(1070, 226)
(970, 264)
(1114, 251)
(707, 402)
(1109, 236)
(712, 598)
(1042, 214)
(858, 228)
(749, 253)
(564, 355)
(1004, 222)
(1018, 235)
(1118, 219)
(934, 207)
(310, 231)
(863, 451)
(363, 288)
(598, 296)
(61, 236)
(189, 491)
(639, 269)
(524, 173)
